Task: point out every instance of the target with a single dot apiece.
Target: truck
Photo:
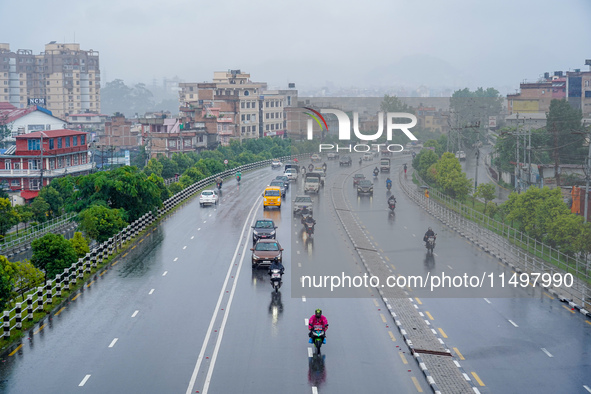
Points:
(384, 165)
(312, 182)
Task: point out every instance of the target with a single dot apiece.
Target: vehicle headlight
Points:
(371, 189)
(254, 256)
(272, 233)
(256, 232)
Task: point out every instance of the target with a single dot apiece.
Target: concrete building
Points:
(536, 97)
(41, 156)
(64, 79)
(118, 134)
(89, 122)
(578, 91)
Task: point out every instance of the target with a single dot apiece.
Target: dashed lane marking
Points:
(587, 388)
(113, 342)
(133, 247)
(512, 322)
(547, 352)
(442, 333)
(303, 299)
(310, 353)
(15, 350)
(383, 317)
(135, 313)
(83, 382)
(184, 247)
(477, 379)
(192, 237)
(458, 353)
(175, 259)
(487, 301)
(60, 311)
(151, 291)
(418, 301)
(417, 385)
(568, 309)
(376, 302)
(392, 336)
(429, 315)
(77, 295)
(165, 272)
(403, 358)
(548, 295)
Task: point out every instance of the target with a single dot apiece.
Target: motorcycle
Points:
(430, 244)
(317, 338)
(276, 279)
(219, 184)
(308, 224)
(392, 205)
(389, 185)
(376, 172)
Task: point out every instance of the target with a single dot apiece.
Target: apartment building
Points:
(63, 79)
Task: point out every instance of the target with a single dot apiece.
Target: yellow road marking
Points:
(477, 379)
(588, 322)
(392, 265)
(403, 358)
(568, 309)
(141, 240)
(442, 333)
(114, 263)
(15, 350)
(375, 302)
(88, 285)
(60, 311)
(419, 301)
(548, 295)
(429, 315)
(381, 250)
(102, 273)
(126, 253)
(39, 329)
(133, 247)
(458, 353)
(392, 336)
(77, 295)
(417, 385)
(383, 317)
(387, 258)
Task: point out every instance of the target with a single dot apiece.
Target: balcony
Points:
(29, 173)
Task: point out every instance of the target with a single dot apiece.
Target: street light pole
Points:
(588, 176)
(42, 134)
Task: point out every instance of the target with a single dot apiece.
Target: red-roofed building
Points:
(26, 167)
(27, 120)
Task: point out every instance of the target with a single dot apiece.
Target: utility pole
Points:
(517, 172)
(588, 176)
(42, 134)
(476, 176)
(556, 167)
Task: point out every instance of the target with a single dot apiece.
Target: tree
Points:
(394, 104)
(486, 191)
(451, 178)
(427, 159)
(25, 214)
(472, 109)
(52, 253)
(563, 121)
(564, 231)
(138, 159)
(6, 281)
(79, 244)
(5, 129)
(26, 277)
(8, 216)
(53, 198)
(40, 209)
(101, 223)
(154, 166)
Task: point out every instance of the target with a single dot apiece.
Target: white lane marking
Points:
(84, 380)
(192, 237)
(547, 352)
(165, 272)
(175, 259)
(449, 266)
(297, 242)
(225, 319)
(300, 265)
(414, 235)
(405, 228)
(587, 388)
(199, 229)
(184, 247)
(210, 215)
(436, 255)
(487, 301)
(113, 342)
(310, 353)
(217, 307)
(314, 389)
(298, 252)
(511, 321)
(303, 299)
(135, 313)
(151, 291)
(205, 221)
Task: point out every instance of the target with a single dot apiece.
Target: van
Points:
(272, 197)
(312, 182)
(385, 165)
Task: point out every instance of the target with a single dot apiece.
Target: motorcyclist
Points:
(429, 233)
(388, 183)
(391, 200)
(324, 166)
(218, 181)
(376, 171)
(317, 319)
(238, 176)
(276, 265)
(360, 161)
(405, 168)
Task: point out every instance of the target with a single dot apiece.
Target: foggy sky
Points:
(451, 43)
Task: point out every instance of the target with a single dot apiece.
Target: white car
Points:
(208, 197)
(291, 174)
(315, 158)
(276, 164)
(368, 156)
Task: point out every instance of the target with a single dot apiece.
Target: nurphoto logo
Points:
(345, 130)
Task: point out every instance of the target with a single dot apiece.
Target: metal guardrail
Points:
(13, 241)
(515, 248)
(37, 300)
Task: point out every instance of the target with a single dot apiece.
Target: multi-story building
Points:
(578, 91)
(64, 79)
(118, 134)
(89, 122)
(536, 97)
(41, 156)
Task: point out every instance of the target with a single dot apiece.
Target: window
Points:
(16, 165)
(587, 83)
(254, 129)
(243, 129)
(34, 144)
(52, 164)
(248, 105)
(67, 161)
(587, 93)
(82, 140)
(266, 104)
(60, 162)
(59, 143)
(75, 140)
(67, 142)
(51, 143)
(267, 127)
(75, 160)
(34, 184)
(35, 127)
(248, 129)
(267, 115)
(172, 143)
(7, 164)
(33, 164)
(242, 117)
(15, 182)
(272, 115)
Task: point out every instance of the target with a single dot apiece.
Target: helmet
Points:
(430, 229)
(318, 312)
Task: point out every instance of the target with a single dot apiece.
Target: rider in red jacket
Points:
(317, 319)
